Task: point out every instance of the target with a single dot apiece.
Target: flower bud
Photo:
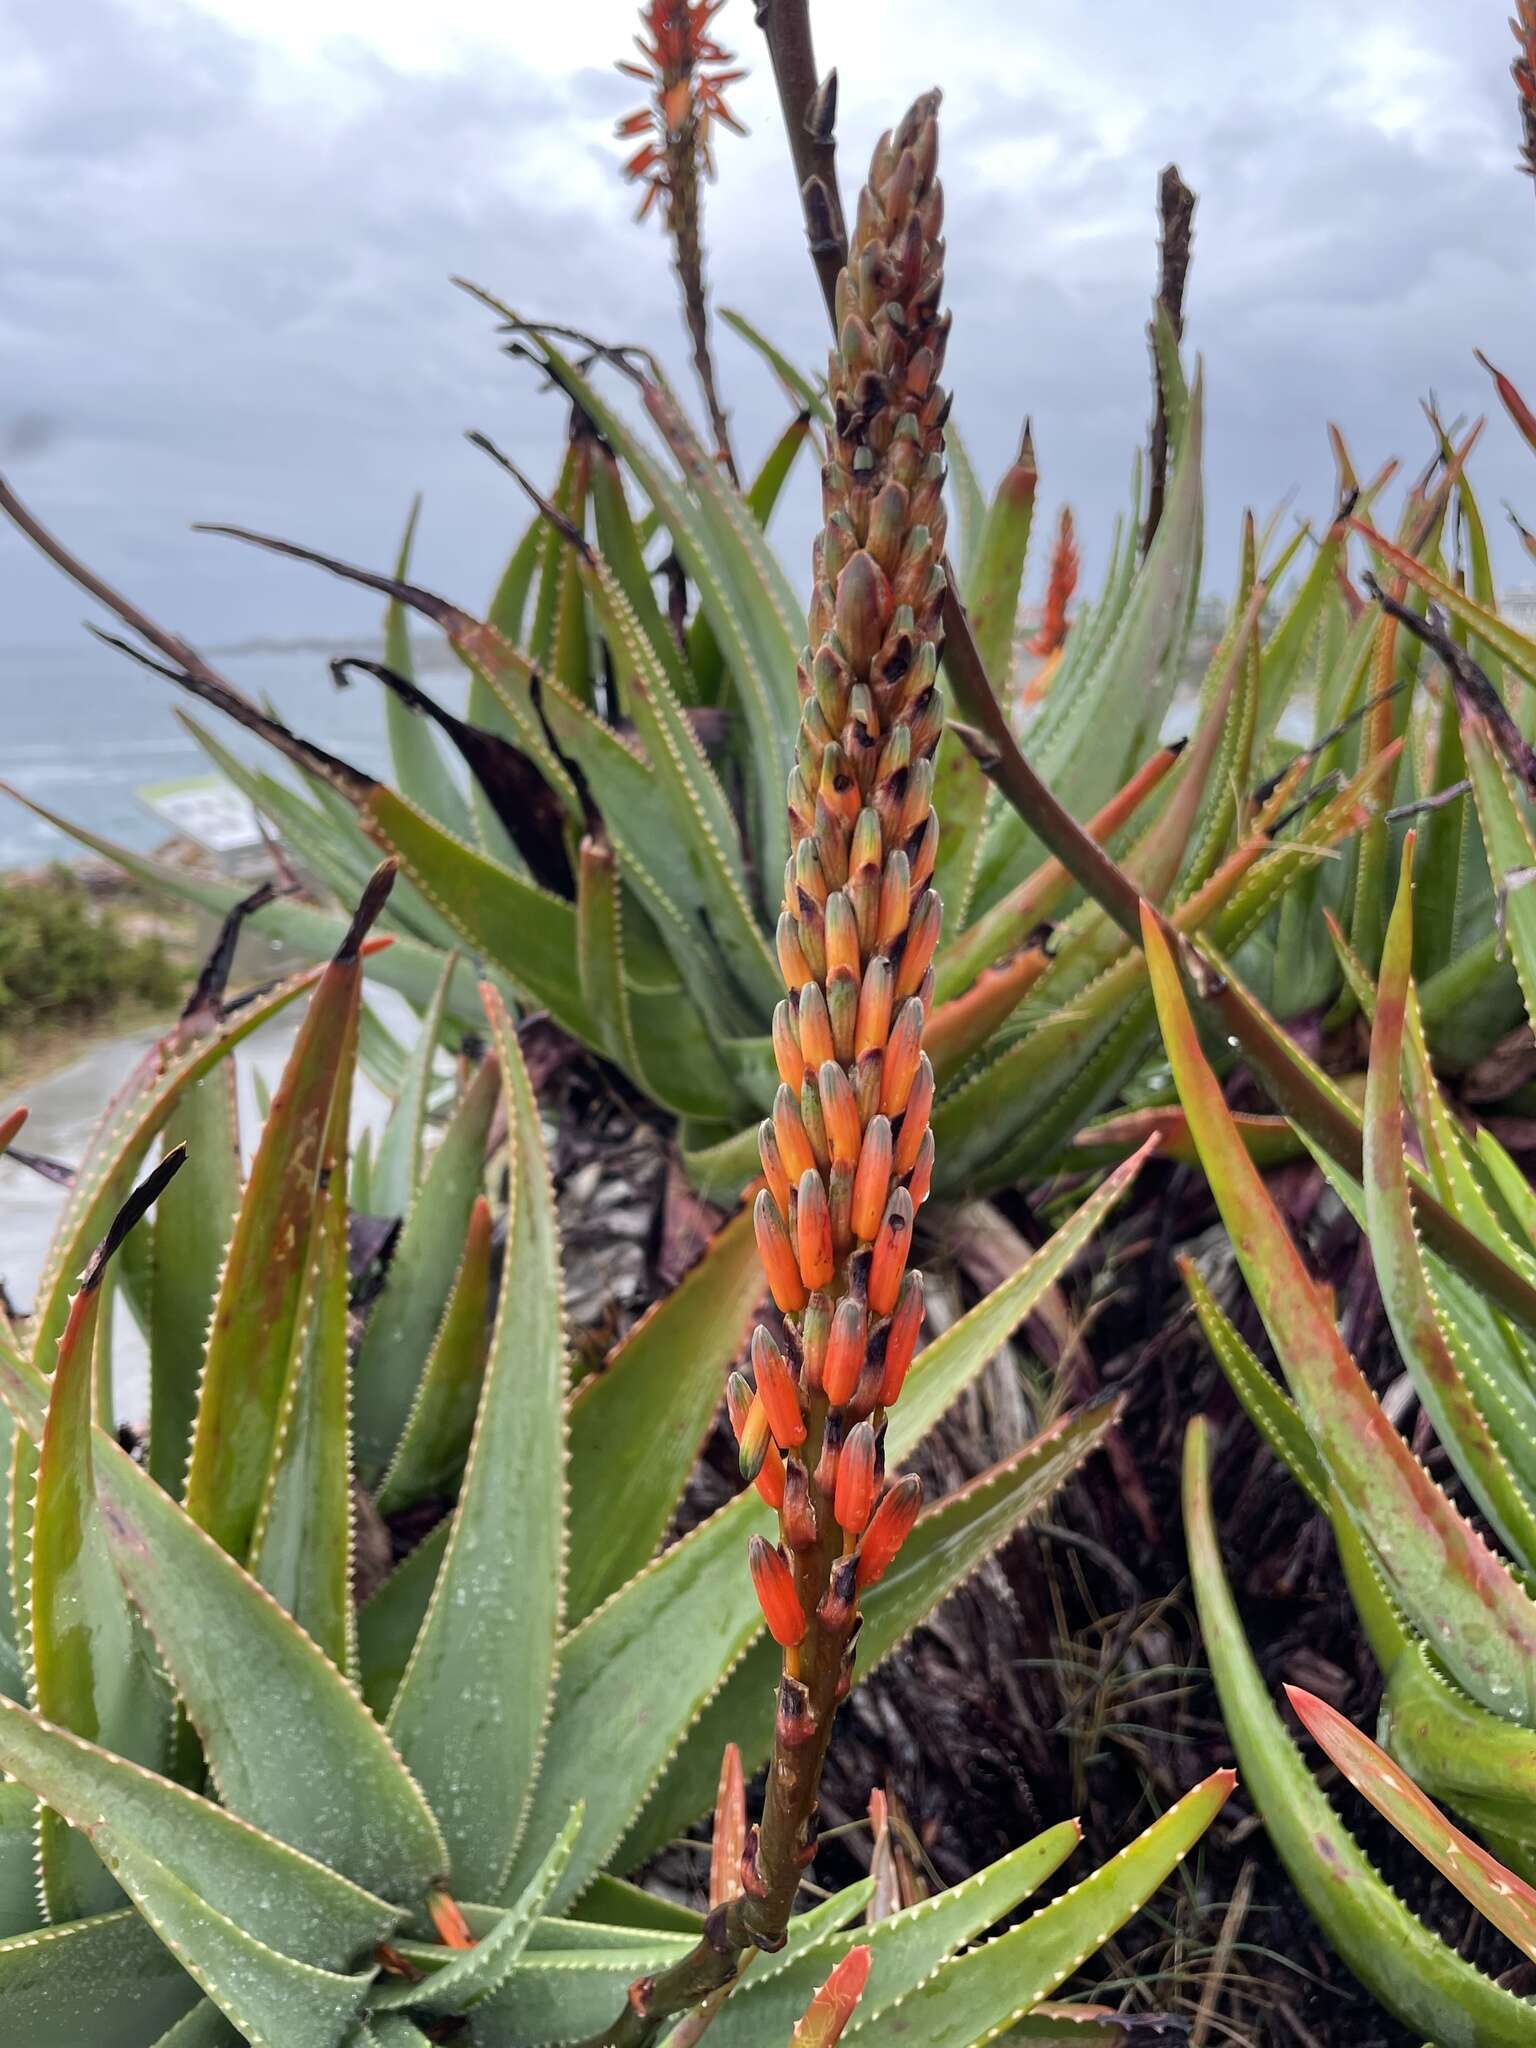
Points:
(770, 1480)
(895, 899)
(749, 1419)
(837, 1603)
(813, 1122)
(845, 1350)
(777, 1255)
(776, 1391)
(813, 1234)
(825, 1474)
(815, 1029)
(901, 1338)
(774, 1583)
(840, 1201)
(815, 1327)
(922, 938)
(840, 1113)
(888, 1257)
(773, 1167)
(855, 1493)
(873, 1025)
(842, 935)
(922, 1173)
(914, 1119)
(787, 1055)
(902, 1052)
(792, 961)
(872, 1179)
(794, 1146)
(889, 1528)
(864, 604)
(838, 789)
(842, 1012)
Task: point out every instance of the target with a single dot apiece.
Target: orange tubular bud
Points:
(889, 1529)
(902, 1052)
(872, 1180)
(840, 1200)
(901, 1338)
(839, 787)
(749, 1419)
(889, 1259)
(778, 1254)
(815, 1030)
(815, 1327)
(873, 1025)
(776, 1390)
(452, 1928)
(787, 1055)
(792, 961)
(774, 1583)
(773, 1167)
(921, 1178)
(845, 1351)
(925, 853)
(813, 1234)
(867, 1072)
(794, 1146)
(843, 1011)
(814, 1122)
(895, 898)
(843, 955)
(855, 1494)
(798, 1511)
(922, 938)
(840, 1114)
(914, 1118)
(770, 1481)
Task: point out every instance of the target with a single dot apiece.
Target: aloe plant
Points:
(1449, 1618)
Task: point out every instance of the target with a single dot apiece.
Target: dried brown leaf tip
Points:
(847, 1154)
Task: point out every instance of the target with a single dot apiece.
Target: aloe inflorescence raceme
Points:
(847, 1154)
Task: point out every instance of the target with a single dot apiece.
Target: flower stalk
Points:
(847, 1154)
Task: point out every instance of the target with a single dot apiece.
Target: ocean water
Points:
(84, 729)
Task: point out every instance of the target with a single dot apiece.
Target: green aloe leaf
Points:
(995, 1985)
(562, 1995)
(258, 1315)
(396, 1167)
(620, 545)
(1414, 1974)
(1510, 846)
(637, 1423)
(389, 1621)
(283, 1730)
(143, 1825)
(1496, 633)
(1498, 1894)
(474, 1974)
(904, 1948)
(801, 391)
(470, 1713)
(1270, 1408)
(405, 1318)
(1405, 1291)
(108, 1979)
(302, 1550)
(1478, 1763)
(204, 2027)
(437, 1434)
(19, 1909)
(91, 1670)
(192, 1224)
(1453, 1587)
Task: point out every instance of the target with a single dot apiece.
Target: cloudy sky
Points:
(229, 224)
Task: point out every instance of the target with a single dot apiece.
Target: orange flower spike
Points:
(840, 1114)
(813, 1235)
(888, 1261)
(889, 1528)
(452, 1927)
(778, 1254)
(855, 1494)
(902, 1052)
(832, 2008)
(776, 1390)
(730, 1831)
(872, 1180)
(845, 1350)
(901, 1338)
(774, 1583)
(914, 1119)
(1059, 589)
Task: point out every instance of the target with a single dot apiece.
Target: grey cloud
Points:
(234, 288)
